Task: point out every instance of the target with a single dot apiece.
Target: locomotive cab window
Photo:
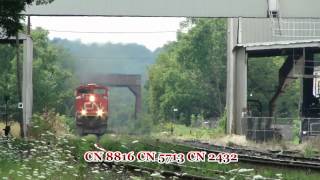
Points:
(84, 91)
(99, 91)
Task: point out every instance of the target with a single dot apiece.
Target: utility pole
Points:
(18, 77)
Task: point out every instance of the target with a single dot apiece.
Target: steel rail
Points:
(161, 172)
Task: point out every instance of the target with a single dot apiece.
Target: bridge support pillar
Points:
(136, 90)
(236, 81)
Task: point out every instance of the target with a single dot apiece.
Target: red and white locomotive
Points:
(91, 109)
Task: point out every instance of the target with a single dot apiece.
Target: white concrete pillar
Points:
(241, 91)
(236, 80)
(27, 89)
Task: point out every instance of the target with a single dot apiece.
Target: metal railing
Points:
(310, 126)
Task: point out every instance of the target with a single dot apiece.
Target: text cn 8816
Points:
(91, 109)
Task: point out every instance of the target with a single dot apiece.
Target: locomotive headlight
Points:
(83, 112)
(92, 98)
(99, 112)
(304, 132)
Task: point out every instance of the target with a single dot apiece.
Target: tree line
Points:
(190, 75)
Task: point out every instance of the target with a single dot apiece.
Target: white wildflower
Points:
(156, 174)
(135, 141)
(256, 177)
(95, 171)
(245, 170)
(42, 177)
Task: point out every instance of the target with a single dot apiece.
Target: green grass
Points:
(50, 157)
(185, 132)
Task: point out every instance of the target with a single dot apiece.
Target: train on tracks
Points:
(91, 109)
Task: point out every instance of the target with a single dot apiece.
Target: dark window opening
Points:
(84, 91)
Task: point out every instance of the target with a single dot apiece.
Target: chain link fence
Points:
(263, 129)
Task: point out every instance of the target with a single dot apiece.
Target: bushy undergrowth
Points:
(296, 130)
(49, 121)
(143, 125)
(49, 157)
(222, 123)
(312, 147)
(140, 126)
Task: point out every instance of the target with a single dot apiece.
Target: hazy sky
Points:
(153, 32)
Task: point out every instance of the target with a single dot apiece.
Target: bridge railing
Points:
(310, 126)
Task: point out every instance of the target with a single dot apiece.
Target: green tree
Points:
(190, 74)
(263, 74)
(10, 15)
(53, 75)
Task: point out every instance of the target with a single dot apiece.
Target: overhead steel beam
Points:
(176, 8)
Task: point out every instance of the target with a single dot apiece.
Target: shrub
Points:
(143, 125)
(296, 130)
(222, 123)
(48, 122)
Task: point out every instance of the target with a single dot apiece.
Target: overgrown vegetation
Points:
(53, 122)
(189, 71)
(51, 157)
(53, 76)
(312, 147)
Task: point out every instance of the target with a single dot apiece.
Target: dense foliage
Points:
(108, 58)
(10, 15)
(190, 74)
(53, 75)
(263, 83)
(54, 79)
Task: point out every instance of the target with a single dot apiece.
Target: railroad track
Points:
(253, 156)
(180, 169)
(153, 172)
(179, 174)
